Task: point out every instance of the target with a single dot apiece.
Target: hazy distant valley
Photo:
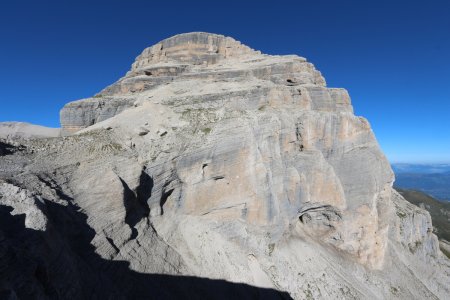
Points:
(433, 179)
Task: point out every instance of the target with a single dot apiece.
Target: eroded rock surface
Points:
(210, 159)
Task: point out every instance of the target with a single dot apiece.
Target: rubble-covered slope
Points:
(212, 160)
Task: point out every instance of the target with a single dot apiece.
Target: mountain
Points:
(212, 171)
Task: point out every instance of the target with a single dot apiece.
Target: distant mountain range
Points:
(433, 179)
(401, 168)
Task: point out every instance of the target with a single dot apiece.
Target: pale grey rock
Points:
(23, 202)
(445, 245)
(79, 114)
(247, 169)
(20, 130)
(183, 58)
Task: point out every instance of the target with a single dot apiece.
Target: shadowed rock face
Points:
(6, 149)
(60, 263)
(210, 159)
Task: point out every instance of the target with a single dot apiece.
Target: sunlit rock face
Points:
(292, 152)
(211, 159)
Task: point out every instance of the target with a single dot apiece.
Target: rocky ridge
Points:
(210, 159)
(21, 130)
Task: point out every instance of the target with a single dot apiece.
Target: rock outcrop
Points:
(210, 159)
(188, 58)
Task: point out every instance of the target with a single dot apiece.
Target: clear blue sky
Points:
(392, 56)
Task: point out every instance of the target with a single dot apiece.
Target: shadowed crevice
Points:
(144, 191)
(7, 149)
(136, 205)
(165, 195)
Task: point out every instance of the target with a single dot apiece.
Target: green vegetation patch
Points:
(206, 130)
(401, 215)
(394, 290)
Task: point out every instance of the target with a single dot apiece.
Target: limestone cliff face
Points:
(189, 58)
(211, 159)
(277, 145)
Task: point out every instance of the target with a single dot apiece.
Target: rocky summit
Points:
(211, 171)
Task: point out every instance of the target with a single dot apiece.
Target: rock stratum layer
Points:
(212, 170)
